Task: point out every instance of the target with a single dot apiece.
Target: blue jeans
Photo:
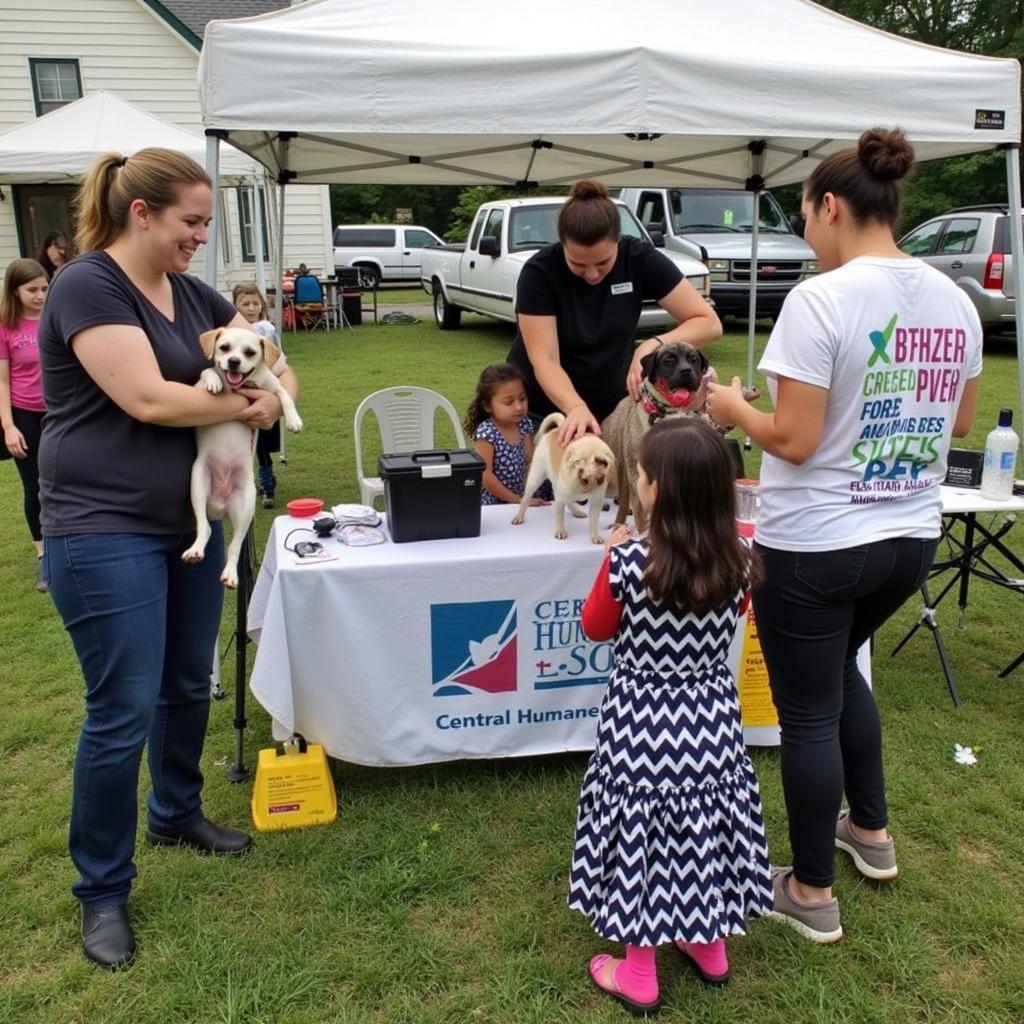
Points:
(144, 626)
(814, 611)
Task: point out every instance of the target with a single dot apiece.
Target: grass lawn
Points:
(439, 893)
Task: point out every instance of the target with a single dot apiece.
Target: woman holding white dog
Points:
(578, 305)
(119, 346)
(872, 367)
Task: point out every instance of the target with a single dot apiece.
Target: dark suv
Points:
(971, 245)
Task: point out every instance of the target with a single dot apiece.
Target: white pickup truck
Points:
(481, 275)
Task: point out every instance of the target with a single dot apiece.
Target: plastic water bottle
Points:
(1000, 459)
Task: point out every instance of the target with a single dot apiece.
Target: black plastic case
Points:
(432, 495)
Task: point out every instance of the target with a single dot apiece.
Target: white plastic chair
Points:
(405, 416)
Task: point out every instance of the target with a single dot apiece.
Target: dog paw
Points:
(293, 423)
(210, 380)
(230, 579)
(560, 535)
(519, 520)
(596, 539)
(193, 554)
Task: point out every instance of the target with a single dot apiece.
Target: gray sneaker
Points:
(818, 922)
(872, 860)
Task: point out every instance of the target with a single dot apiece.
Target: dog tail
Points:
(550, 422)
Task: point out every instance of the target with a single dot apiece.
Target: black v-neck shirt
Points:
(596, 323)
(100, 470)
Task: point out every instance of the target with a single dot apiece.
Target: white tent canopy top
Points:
(655, 92)
(60, 147)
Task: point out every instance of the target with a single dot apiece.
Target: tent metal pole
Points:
(752, 309)
(1013, 192)
(213, 170)
(279, 273)
(257, 234)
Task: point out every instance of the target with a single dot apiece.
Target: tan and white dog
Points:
(583, 469)
(222, 477)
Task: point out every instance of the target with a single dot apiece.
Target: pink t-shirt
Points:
(18, 345)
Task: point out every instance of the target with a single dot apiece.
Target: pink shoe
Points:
(708, 960)
(606, 982)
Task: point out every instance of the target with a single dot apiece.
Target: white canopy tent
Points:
(59, 147)
(656, 92)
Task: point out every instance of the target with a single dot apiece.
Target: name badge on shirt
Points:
(622, 288)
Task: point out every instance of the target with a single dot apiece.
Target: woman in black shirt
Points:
(578, 305)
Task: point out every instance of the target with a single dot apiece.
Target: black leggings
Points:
(31, 425)
(813, 612)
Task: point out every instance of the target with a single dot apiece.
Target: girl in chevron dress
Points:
(670, 844)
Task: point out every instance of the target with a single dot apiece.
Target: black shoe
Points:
(204, 836)
(268, 499)
(107, 938)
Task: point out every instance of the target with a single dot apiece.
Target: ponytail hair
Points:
(153, 175)
(588, 216)
(867, 176)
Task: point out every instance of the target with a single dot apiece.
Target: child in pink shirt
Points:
(21, 388)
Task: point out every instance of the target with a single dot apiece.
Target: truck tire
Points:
(448, 317)
(370, 274)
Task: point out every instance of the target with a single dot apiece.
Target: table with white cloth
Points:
(400, 654)
(976, 552)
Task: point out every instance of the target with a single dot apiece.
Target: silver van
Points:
(389, 252)
(720, 221)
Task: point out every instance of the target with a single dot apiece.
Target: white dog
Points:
(222, 480)
(583, 469)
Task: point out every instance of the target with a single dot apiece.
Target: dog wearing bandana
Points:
(675, 384)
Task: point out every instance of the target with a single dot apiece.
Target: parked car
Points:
(971, 245)
(481, 276)
(720, 220)
(389, 252)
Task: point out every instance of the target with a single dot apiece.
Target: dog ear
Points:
(208, 339)
(647, 363)
(271, 353)
(704, 361)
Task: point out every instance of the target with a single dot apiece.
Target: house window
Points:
(54, 83)
(245, 218)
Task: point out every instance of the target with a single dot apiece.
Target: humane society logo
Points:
(473, 648)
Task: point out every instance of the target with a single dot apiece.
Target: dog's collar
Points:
(654, 402)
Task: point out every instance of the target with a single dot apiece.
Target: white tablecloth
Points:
(402, 654)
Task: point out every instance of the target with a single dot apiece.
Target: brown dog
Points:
(583, 469)
(675, 377)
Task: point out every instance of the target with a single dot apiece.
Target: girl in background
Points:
(54, 252)
(21, 388)
(502, 433)
(249, 301)
(670, 844)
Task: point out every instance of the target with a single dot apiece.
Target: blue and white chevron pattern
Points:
(669, 834)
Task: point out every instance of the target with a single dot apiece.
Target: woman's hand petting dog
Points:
(264, 408)
(579, 420)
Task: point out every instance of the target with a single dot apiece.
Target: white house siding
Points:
(122, 46)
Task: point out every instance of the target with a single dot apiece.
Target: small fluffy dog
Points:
(583, 469)
(222, 479)
(675, 384)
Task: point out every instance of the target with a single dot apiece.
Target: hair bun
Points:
(589, 189)
(886, 154)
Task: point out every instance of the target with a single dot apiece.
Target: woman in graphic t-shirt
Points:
(578, 305)
(872, 367)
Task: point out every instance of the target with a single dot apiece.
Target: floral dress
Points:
(509, 463)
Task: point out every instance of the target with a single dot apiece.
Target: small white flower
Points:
(964, 755)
